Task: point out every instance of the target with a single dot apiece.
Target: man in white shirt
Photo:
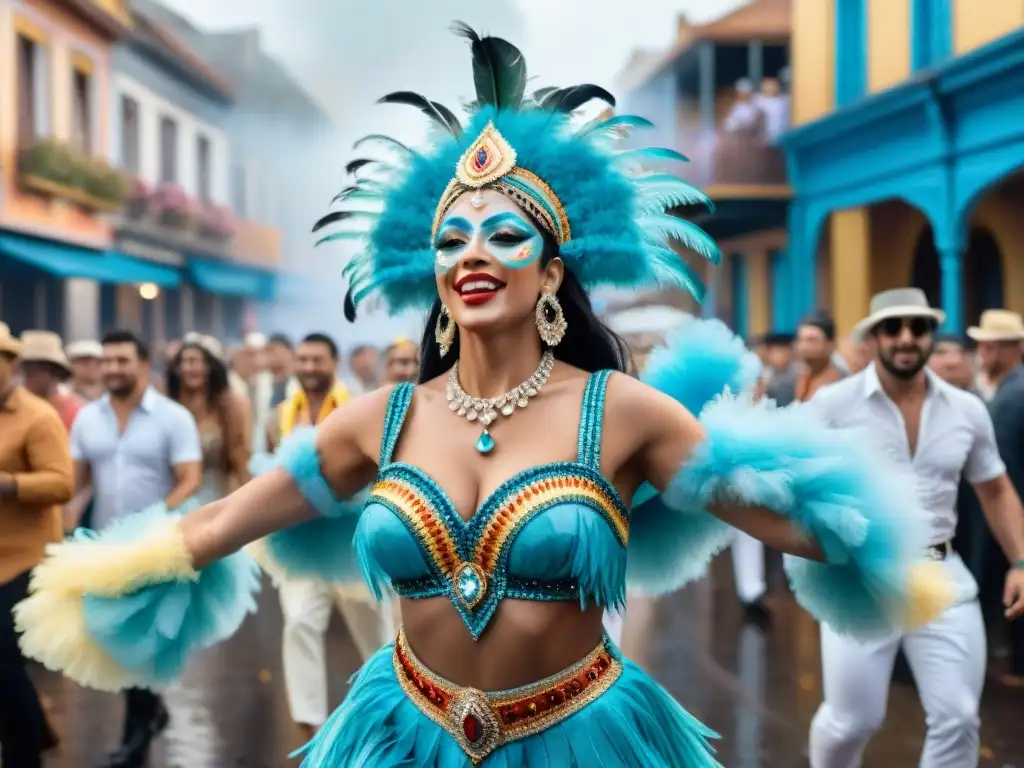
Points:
(935, 432)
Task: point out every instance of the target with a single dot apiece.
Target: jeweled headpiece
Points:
(605, 210)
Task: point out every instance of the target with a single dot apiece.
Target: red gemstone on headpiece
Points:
(473, 728)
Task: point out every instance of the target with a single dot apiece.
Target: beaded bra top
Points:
(557, 531)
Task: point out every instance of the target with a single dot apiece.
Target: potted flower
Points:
(138, 197)
(217, 222)
(47, 163)
(171, 205)
(104, 183)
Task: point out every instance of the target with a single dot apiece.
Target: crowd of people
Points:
(94, 431)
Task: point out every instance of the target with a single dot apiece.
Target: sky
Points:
(348, 54)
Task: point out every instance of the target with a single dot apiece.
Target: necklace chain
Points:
(486, 410)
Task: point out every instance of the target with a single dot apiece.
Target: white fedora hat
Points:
(899, 302)
(998, 325)
(84, 350)
(44, 347)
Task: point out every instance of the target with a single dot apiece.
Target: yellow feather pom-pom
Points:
(930, 591)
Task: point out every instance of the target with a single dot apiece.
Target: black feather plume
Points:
(572, 98)
(424, 105)
(349, 307)
(333, 218)
(450, 118)
(499, 69)
(355, 165)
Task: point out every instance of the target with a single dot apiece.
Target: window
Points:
(81, 108)
(129, 134)
(851, 50)
(239, 198)
(931, 26)
(28, 90)
(203, 167)
(168, 150)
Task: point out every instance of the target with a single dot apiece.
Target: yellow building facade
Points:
(56, 92)
(907, 154)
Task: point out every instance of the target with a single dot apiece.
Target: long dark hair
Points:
(589, 344)
(216, 376)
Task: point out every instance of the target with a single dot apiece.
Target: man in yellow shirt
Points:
(307, 603)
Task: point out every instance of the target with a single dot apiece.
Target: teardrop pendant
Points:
(485, 443)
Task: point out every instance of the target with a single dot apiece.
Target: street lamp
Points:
(149, 291)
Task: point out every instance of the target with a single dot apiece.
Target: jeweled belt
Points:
(481, 722)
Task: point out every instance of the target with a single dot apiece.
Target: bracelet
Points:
(1019, 565)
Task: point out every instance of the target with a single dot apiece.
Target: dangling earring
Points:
(444, 331)
(550, 320)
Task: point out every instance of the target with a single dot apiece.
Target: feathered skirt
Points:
(602, 711)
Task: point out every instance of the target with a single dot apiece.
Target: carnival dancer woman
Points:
(500, 486)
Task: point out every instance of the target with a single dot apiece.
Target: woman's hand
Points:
(347, 446)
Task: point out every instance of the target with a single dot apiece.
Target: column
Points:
(781, 292)
(759, 321)
(851, 267)
(709, 307)
(81, 309)
(740, 295)
(951, 264)
(802, 263)
(755, 62)
(187, 308)
(706, 68)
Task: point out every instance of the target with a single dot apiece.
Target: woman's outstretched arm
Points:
(346, 454)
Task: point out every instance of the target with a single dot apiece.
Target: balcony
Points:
(728, 163)
(257, 245)
(168, 220)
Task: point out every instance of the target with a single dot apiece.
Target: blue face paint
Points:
(453, 238)
(512, 239)
(508, 236)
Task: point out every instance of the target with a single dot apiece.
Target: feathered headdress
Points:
(605, 209)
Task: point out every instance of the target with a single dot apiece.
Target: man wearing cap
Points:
(44, 368)
(86, 377)
(999, 336)
(35, 479)
(935, 432)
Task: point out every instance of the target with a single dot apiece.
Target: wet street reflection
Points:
(758, 689)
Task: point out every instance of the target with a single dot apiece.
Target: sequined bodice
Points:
(557, 531)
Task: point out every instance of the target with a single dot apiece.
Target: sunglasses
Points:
(918, 326)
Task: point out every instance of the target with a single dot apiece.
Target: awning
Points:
(66, 261)
(229, 279)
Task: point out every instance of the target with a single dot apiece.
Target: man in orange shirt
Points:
(35, 479)
(815, 346)
(44, 367)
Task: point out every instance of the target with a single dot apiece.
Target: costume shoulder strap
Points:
(398, 406)
(591, 418)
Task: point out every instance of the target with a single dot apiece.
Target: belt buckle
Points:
(476, 726)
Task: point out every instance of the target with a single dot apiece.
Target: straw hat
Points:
(998, 325)
(899, 302)
(44, 347)
(8, 342)
(84, 350)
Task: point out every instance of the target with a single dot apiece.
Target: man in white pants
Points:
(936, 432)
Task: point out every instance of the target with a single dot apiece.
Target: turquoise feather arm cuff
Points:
(864, 516)
(297, 455)
(322, 548)
(125, 608)
(865, 519)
